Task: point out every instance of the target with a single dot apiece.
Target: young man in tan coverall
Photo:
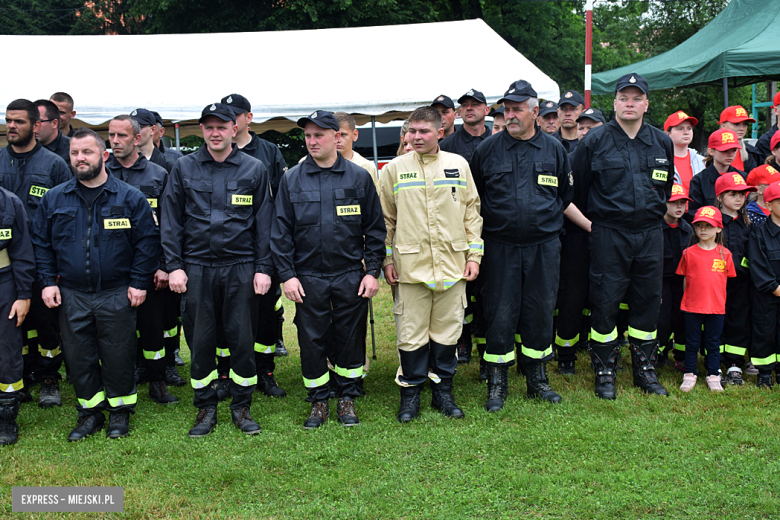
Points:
(431, 210)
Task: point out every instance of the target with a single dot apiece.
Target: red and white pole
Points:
(588, 46)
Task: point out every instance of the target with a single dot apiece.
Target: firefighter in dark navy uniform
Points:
(328, 221)
(216, 212)
(623, 175)
(523, 179)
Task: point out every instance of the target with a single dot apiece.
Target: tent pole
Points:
(755, 113)
(373, 135)
(178, 143)
(588, 46)
(725, 92)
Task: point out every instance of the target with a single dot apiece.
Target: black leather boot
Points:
(269, 387)
(497, 387)
(464, 345)
(86, 426)
(537, 383)
(9, 410)
(444, 401)
(244, 422)
(158, 392)
(281, 350)
(205, 421)
(118, 424)
(319, 414)
(644, 355)
(346, 412)
(410, 403)
(603, 357)
(50, 393)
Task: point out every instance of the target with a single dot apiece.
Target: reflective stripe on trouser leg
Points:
(151, 338)
(573, 285)
(521, 285)
(11, 341)
(765, 330)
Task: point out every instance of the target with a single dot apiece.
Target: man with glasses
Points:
(50, 134)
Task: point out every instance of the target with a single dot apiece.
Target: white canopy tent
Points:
(284, 74)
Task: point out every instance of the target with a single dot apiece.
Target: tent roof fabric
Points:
(285, 74)
(741, 43)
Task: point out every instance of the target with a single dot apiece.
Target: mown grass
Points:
(694, 455)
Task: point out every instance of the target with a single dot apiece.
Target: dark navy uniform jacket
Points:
(523, 186)
(624, 183)
(322, 218)
(702, 190)
(676, 239)
(764, 256)
(217, 213)
(60, 146)
(271, 157)
(32, 175)
(463, 143)
(15, 242)
(763, 144)
(111, 244)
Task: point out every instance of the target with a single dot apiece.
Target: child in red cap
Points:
(722, 147)
(731, 191)
(764, 255)
(773, 159)
(687, 162)
(706, 267)
(671, 323)
(736, 119)
(760, 178)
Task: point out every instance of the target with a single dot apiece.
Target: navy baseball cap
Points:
(519, 91)
(143, 116)
(632, 80)
(548, 107)
(497, 111)
(593, 114)
(219, 110)
(443, 100)
(157, 117)
(571, 97)
(238, 103)
(474, 94)
(321, 118)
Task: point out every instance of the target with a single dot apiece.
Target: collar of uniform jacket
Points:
(465, 136)
(139, 164)
(110, 184)
(621, 138)
(772, 227)
(203, 155)
(428, 157)
(309, 166)
(535, 141)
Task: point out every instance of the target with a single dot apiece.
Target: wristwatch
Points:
(374, 273)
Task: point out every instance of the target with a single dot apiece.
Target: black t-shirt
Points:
(90, 193)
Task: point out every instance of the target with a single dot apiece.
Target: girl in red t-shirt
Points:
(706, 267)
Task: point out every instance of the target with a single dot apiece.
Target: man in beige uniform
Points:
(431, 210)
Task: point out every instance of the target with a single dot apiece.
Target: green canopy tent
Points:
(741, 46)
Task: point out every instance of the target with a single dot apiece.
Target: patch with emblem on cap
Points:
(344, 211)
(678, 190)
(660, 175)
(241, 200)
(512, 91)
(134, 113)
(589, 111)
(440, 98)
(470, 93)
(213, 107)
(741, 112)
(549, 104)
(230, 99)
(771, 170)
(707, 212)
(313, 115)
(548, 180)
(116, 223)
(727, 137)
(681, 115)
(5, 234)
(738, 179)
(567, 95)
(632, 80)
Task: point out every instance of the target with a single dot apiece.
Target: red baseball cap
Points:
(709, 214)
(763, 174)
(776, 100)
(731, 181)
(735, 114)
(723, 140)
(775, 140)
(678, 193)
(772, 192)
(677, 118)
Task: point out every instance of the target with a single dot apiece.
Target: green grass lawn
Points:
(689, 455)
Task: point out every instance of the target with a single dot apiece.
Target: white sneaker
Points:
(714, 383)
(689, 381)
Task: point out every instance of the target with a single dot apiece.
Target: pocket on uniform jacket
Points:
(306, 206)
(659, 173)
(63, 224)
(115, 223)
(498, 181)
(240, 198)
(408, 249)
(545, 179)
(39, 185)
(348, 208)
(611, 175)
(198, 192)
(460, 245)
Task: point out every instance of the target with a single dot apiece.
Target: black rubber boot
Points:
(50, 393)
(86, 426)
(205, 422)
(497, 387)
(464, 345)
(537, 383)
(603, 357)
(346, 412)
(319, 414)
(158, 392)
(118, 424)
(643, 358)
(172, 377)
(764, 380)
(443, 400)
(281, 350)
(410, 403)
(9, 411)
(244, 421)
(268, 385)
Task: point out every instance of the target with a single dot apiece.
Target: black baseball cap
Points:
(474, 94)
(632, 80)
(571, 97)
(548, 107)
(238, 103)
(321, 118)
(593, 114)
(443, 100)
(496, 111)
(519, 91)
(143, 116)
(219, 110)
(157, 117)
